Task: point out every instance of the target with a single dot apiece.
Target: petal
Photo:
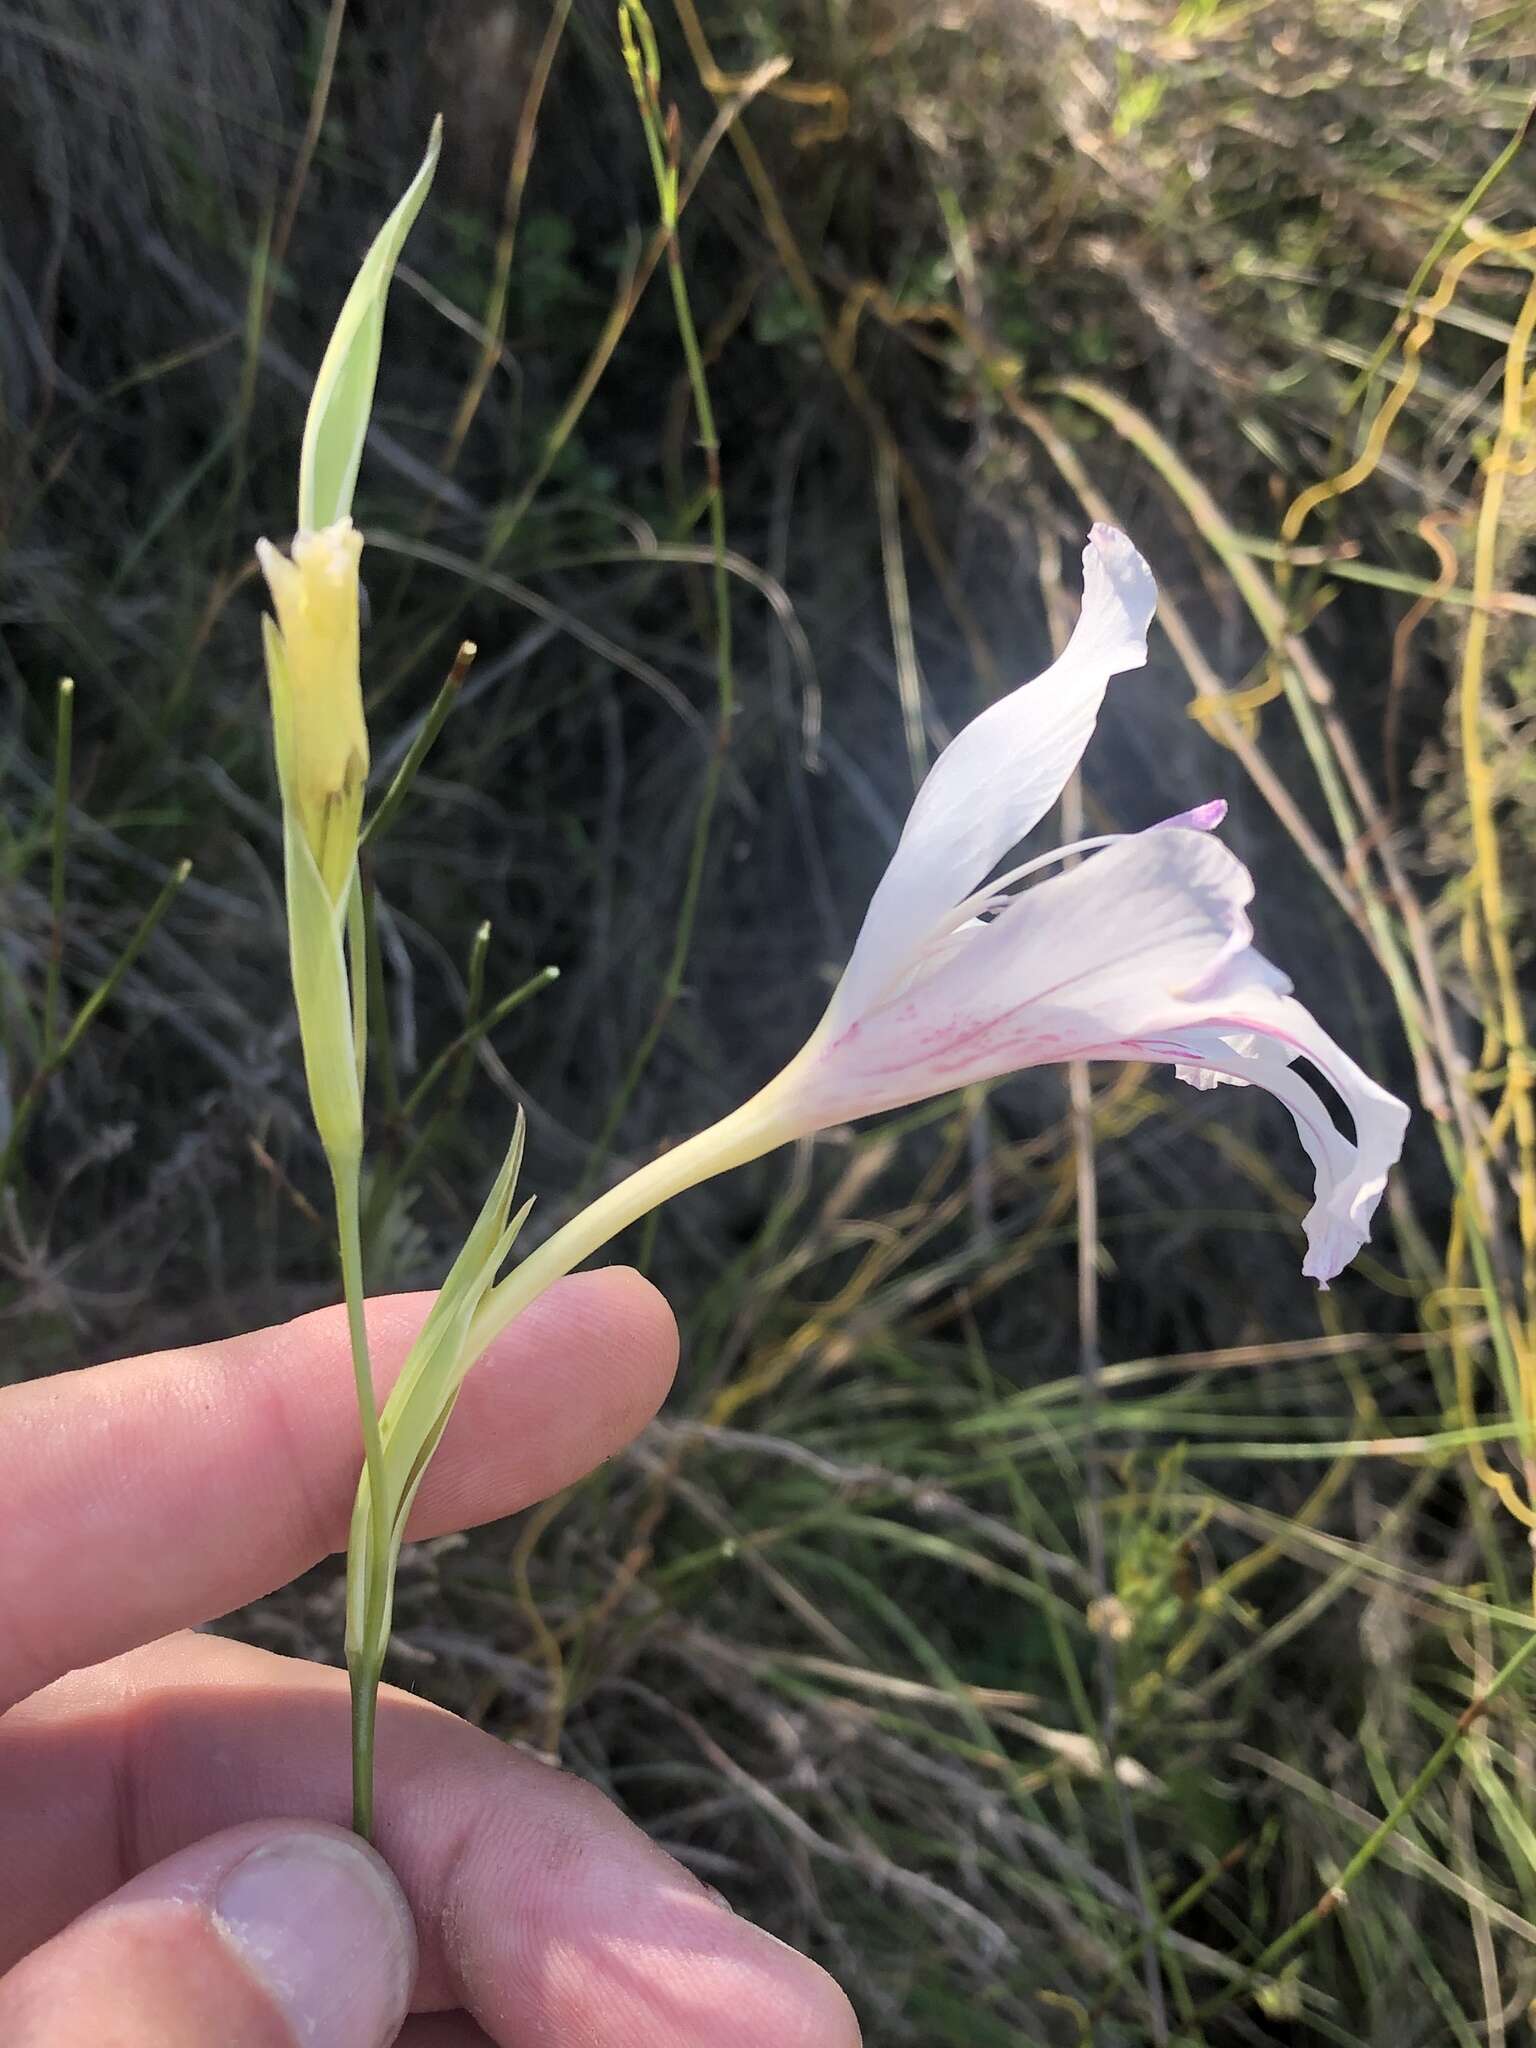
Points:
(992, 895)
(1143, 952)
(1349, 1175)
(954, 931)
(1206, 817)
(1085, 958)
(1001, 774)
(283, 579)
(1196, 1070)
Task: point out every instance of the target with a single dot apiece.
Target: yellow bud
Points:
(317, 693)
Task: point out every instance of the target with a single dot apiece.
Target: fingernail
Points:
(322, 1926)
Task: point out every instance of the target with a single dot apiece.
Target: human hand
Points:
(171, 1875)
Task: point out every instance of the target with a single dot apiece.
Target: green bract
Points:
(418, 1409)
(343, 396)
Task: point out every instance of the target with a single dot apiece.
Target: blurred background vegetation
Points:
(1037, 1595)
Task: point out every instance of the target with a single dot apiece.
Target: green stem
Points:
(453, 1061)
(478, 1027)
(102, 993)
(349, 1232)
(364, 1675)
(61, 759)
(366, 1667)
(421, 746)
(1449, 231)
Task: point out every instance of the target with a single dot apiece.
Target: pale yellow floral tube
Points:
(759, 1126)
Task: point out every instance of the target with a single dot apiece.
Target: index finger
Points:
(158, 1492)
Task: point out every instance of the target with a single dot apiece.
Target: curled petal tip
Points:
(1119, 594)
(1203, 818)
(1109, 539)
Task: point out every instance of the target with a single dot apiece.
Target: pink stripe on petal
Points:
(1142, 952)
(1098, 953)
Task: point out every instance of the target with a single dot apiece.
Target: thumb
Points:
(282, 1934)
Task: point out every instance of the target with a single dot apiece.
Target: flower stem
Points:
(366, 1663)
(756, 1127)
(364, 1676)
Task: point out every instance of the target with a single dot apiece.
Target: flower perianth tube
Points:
(760, 1125)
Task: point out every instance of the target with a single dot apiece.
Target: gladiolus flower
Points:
(1142, 951)
(317, 696)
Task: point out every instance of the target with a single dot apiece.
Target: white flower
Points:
(1143, 951)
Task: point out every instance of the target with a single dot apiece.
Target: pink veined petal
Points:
(1084, 958)
(1144, 952)
(992, 895)
(955, 930)
(999, 776)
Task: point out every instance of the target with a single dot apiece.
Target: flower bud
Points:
(317, 695)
